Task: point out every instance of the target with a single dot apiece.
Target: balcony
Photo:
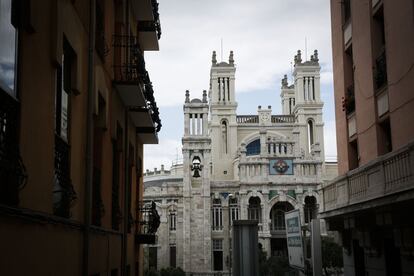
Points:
(380, 182)
(134, 86)
(148, 222)
(149, 26)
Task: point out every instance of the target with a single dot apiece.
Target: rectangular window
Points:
(353, 155)
(8, 47)
(218, 255)
(384, 137)
(152, 258)
(217, 215)
(173, 256)
(173, 220)
(234, 210)
(63, 192)
(346, 10)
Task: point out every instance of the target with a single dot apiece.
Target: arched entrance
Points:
(277, 227)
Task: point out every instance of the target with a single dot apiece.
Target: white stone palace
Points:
(251, 167)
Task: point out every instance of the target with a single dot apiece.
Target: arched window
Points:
(255, 209)
(224, 136)
(310, 209)
(253, 148)
(310, 134)
(277, 215)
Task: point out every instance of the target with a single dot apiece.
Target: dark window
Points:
(173, 256)
(255, 209)
(152, 258)
(378, 49)
(8, 48)
(173, 220)
(277, 215)
(310, 134)
(218, 255)
(346, 10)
(116, 157)
(353, 155)
(310, 208)
(63, 192)
(253, 148)
(384, 137)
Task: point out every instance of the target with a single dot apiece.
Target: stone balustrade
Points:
(256, 169)
(387, 175)
(254, 119)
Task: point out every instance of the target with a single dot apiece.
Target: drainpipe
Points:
(89, 140)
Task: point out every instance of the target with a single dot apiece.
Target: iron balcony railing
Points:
(149, 25)
(147, 223)
(129, 66)
(64, 194)
(129, 62)
(12, 170)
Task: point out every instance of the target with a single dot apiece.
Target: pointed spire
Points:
(187, 96)
(231, 58)
(214, 58)
(204, 96)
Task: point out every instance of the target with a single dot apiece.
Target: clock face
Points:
(281, 166)
(264, 117)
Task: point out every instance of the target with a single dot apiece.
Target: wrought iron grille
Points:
(64, 194)
(12, 170)
(147, 217)
(129, 63)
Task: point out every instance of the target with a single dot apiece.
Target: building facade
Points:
(239, 167)
(76, 107)
(369, 203)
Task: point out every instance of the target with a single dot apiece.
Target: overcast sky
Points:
(264, 36)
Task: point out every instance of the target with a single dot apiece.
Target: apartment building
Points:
(370, 202)
(76, 107)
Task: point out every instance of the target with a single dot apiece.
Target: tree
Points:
(331, 255)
